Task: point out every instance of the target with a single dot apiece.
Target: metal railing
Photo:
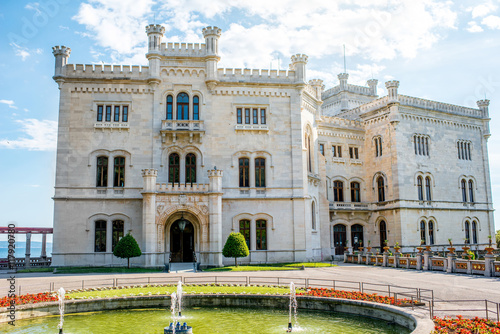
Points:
(490, 310)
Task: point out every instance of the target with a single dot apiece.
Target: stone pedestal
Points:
(368, 257)
(419, 261)
(385, 259)
(489, 270)
(396, 259)
(28, 250)
(451, 263)
(427, 255)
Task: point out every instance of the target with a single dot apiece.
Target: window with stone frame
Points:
(353, 152)
(338, 191)
(260, 172)
(244, 172)
(313, 215)
(251, 115)
(100, 236)
(381, 189)
(431, 232)
(174, 168)
(196, 108)
(421, 144)
(182, 106)
(428, 193)
(337, 151)
(355, 192)
(377, 141)
(170, 107)
(261, 234)
(119, 172)
(112, 112)
(463, 187)
(118, 231)
(423, 235)
(467, 232)
(420, 188)
(102, 171)
(471, 191)
(464, 149)
(245, 231)
(322, 149)
(190, 169)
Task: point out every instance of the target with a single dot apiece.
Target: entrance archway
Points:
(356, 236)
(339, 238)
(181, 242)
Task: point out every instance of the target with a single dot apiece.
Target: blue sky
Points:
(440, 50)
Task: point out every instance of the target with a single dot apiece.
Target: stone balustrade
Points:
(182, 188)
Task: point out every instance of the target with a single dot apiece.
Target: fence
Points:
(422, 299)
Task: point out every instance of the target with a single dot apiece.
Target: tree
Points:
(235, 246)
(497, 237)
(126, 248)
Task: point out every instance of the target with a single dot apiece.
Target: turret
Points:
(372, 83)
(155, 33)
(318, 86)
(343, 81)
(212, 35)
(62, 54)
(299, 62)
(392, 90)
(483, 106)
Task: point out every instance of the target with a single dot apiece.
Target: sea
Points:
(20, 251)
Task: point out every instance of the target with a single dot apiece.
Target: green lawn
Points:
(89, 270)
(36, 270)
(149, 290)
(274, 266)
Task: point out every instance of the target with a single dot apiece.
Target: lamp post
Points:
(182, 225)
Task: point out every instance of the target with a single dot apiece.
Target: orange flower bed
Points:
(29, 299)
(460, 325)
(356, 295)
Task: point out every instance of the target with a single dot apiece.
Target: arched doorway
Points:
(356, 236)
(339, 238)
(182, 241)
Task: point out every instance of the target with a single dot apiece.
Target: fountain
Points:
(175, 326)
(292, 306)
(179, 297)
(60, 294)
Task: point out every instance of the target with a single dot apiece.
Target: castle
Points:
(181, 153)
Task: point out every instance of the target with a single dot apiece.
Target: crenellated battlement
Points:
(255, 75)
(106, 71)
(61, 50)
(155, 29)
(362, 90)
(299, 58)
(183, 49)
(208, 31)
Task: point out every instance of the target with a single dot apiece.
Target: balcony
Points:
(173, 130)
(349, 206)
(252, 127)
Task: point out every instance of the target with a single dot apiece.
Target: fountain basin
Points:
(419, 324)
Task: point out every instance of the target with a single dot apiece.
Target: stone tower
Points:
(155, 33)
(212, 35)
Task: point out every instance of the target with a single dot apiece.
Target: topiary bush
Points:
(126, 248)
(236, 247)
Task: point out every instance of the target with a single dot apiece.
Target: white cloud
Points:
(24, 52)
(40, 136)
(472, 26)
(492, 21)
(482, 9)
(10, 103)
(372, 28)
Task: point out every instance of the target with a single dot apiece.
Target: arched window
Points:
(474, 232)
(100, 236)
(174, 168)
(118, 229)
(471, 191)
(261, 234)
(170, 107)
(383, 234)
(245, 230)
(338, 191)
(119, 172)
(420, 189)
(356, 235)
(190, 168)
(355, 192)
(431, 233)
(313, 215)
(182, 106)
(381, 189)
(102, 172)
(458, 150)
(378, 146)
(423, 237)
(426, 146)
(309, 157)
(260, 172)
(463, 185)
(244, 172)
(467, 232)
(428, 188)
(196, 108)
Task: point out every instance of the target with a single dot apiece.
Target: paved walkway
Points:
(445, 286)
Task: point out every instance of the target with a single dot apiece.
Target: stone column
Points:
(396, 259)
(149, 217)
(385, 259)
(427, 255)
(44, 246)
(419, 261)
(451, 262)
(489, 270)
(215, 216)
(28, 250)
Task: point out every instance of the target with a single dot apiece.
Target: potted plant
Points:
(396, 247)
(465, 248)
(451, 249)
(360, 246)
(386, 248)
(420, 249)
(489, 249)
(369, 248)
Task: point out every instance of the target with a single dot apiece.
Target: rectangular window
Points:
(119, 172)
(255, 113)
(334, 151)
(100, 236)
(117, 114)
(239, 116)
(102, 172)
(261, 235)
(262, 116)
(99, 113)
(353, 153)
(108, 113)
(117, 232)
(247, 115)
(337, 151)
(322, 149)
(244, 172)
(245, 231)
(125, 114)
(260, 172)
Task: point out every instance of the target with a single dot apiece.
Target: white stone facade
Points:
(149, 150)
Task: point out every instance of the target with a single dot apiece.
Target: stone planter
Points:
(451, 250)
(396, 249)
(420, 249)
(489, 250)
